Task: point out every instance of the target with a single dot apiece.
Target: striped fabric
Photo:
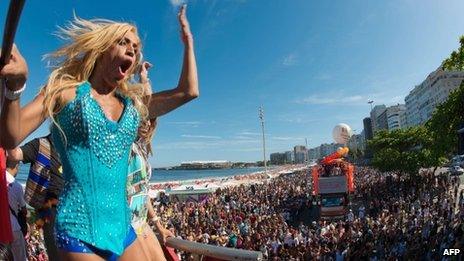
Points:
(39, 176)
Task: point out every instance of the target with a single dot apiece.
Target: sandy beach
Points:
(220, 182)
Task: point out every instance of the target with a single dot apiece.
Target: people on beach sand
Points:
(95, 111)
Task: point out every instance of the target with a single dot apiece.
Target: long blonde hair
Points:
(74, 62)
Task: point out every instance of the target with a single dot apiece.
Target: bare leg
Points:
(153, 245)
(134, 252)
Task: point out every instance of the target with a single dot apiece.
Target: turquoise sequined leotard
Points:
(94, 154)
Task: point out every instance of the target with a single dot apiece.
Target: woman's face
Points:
(117, 62)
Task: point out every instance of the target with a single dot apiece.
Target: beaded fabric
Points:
(93, 205)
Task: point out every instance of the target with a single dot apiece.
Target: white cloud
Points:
(185, 123)
(240, 137)
(315, 99)
(297, 119)
(248, 149)
(356, 99)
(286, 138)
(248, 133)
(290, 60)
(197, 145)
(200, 136)
(323, 76)
(209, 142)
(177, 3)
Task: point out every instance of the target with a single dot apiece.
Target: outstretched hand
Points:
(185, 33)
(144, 72)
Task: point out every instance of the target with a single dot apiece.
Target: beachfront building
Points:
(212, 164)
(323, 150)
(301, 154)
(357, 142)
(289, 157)
(313, 153)
(377, 121)
(278, 158)
(396, 117)
(327, 149)
(368, 133)
(424, 98)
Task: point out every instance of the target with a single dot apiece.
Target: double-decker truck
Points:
(332, 183)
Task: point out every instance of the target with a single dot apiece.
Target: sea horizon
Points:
(159, 175)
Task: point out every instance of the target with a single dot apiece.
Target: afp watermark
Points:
(451, 251)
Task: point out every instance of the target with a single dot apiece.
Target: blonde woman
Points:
(96, 112)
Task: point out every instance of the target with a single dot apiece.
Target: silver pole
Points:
(261, 117)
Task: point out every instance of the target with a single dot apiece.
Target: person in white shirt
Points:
(18, 205)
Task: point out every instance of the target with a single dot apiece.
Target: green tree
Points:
(444, 123)
(407, 150)
(456, 60)
(403, 150)
(448, 116)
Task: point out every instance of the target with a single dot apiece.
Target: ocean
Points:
(170, 175)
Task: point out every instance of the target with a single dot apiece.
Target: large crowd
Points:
(35, 245)
(392, 217)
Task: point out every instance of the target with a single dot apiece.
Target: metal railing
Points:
(223, 253)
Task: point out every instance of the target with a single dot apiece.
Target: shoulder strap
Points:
(83, 89)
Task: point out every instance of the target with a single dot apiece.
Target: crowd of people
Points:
(257, 176)
(35, 245)
(392, 216)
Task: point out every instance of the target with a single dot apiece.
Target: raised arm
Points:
(143, 75)
(13, 76)
(163, 102)
(32, 116)
(16, 123)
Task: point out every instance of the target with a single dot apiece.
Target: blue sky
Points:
(311, 64)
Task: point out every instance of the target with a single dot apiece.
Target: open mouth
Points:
(124, 67)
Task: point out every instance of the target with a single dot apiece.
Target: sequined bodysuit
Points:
(94, 153)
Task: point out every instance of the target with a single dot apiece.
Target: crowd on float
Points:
(393, 216)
